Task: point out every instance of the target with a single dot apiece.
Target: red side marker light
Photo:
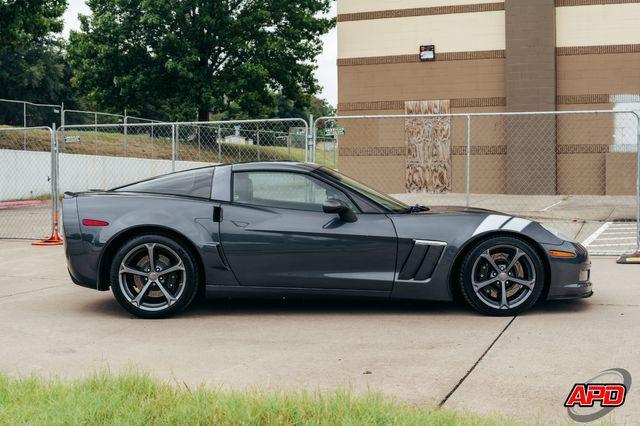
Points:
(93, 222)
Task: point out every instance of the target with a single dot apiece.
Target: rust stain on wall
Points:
(428, 147)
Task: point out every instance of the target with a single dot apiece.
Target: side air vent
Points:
(422, 260)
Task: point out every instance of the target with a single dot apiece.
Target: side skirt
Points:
(213, 291)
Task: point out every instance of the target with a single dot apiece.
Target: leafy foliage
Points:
(182, 59)
(32, 64)
(25, 21)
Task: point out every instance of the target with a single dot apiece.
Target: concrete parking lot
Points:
(420, 353)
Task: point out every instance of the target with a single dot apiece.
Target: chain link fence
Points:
(16, 113)
(243, 140)
(100, 156)
(26, 182)
(104, 156)
(575, 171)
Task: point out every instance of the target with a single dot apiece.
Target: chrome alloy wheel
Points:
(152, 277)
(503, 277)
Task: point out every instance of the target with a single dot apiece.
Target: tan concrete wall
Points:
(595, 74)
(598, 25)
(421, 80)
(450, 33)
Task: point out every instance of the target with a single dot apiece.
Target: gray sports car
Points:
(278, 229)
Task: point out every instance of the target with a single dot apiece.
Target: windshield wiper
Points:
(416, 209)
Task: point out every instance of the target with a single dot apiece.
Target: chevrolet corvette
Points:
(278, 229)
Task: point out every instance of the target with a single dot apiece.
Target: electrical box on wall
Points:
(428, 53)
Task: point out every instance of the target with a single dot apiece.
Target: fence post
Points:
(468, 195)
(310, 146)
(637, 181)
(63, 113)
(95, 130)
(173, 147)
(24, 124)
(54, 239)
(219, 144)
(56, 171)
(258, 140)
(324, 152)
(177, 150)
(53, 175)
(125, 132)
(335, 153)
(199, 144)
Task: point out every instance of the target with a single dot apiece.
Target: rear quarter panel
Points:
(191, 218)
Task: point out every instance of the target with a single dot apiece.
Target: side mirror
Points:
(340, 208)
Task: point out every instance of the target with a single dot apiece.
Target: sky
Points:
(327, 72)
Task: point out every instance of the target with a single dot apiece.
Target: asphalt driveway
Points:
(421, 353)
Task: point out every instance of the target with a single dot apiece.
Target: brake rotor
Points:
(502, 259)
(168, 280)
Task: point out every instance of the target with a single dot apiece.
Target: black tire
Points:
(170, 293)
(477, 270)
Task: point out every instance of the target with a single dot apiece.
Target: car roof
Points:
(274, 165)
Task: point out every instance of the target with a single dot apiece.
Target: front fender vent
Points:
(422, 260)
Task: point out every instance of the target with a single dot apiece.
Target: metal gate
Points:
(26, 182)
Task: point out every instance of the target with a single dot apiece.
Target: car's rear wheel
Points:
(502, 276)
(153, 276)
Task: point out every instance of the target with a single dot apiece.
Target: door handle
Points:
(217, 214)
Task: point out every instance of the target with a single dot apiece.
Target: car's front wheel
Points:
(153, 276)
(502, 276)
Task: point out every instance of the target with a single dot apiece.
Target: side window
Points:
(284, 190)
(192, 183)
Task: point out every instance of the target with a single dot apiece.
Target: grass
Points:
(138, 399)
(157, 147)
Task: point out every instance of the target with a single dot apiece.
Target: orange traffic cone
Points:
(54, 239)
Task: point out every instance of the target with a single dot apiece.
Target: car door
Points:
(275, 234)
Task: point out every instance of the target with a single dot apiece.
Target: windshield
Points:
(378, 197)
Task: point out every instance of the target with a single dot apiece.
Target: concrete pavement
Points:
(421, 353)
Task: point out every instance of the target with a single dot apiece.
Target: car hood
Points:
(457, 224)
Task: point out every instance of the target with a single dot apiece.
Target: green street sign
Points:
(334, 131)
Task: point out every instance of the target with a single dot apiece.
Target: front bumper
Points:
(570, 278)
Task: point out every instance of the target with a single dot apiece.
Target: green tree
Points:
(32, 64)
(316, 106)
(25, 21)
(182, 59)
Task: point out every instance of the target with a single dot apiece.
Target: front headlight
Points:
(558, 234)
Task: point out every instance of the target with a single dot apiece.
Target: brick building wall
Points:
(491, 56)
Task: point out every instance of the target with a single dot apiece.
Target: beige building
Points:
(490, 56)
